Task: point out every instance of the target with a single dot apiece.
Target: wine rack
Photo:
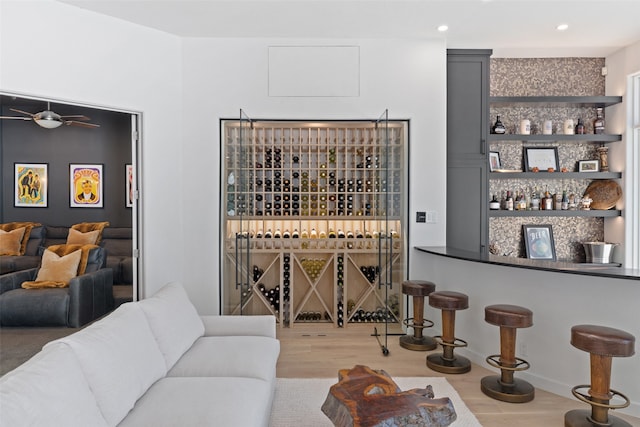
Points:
(312, 205)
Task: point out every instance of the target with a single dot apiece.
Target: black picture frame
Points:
(589, 166)
(538, 241)
(542, 158)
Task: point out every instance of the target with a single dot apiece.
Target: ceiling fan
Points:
(50, 120)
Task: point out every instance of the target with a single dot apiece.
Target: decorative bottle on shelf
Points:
(509, 201)
(494, 204)
(498, 127)
(598, 123)
(535, 200)
(580, 127)
(565, 201)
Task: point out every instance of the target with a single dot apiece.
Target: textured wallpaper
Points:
(545, 77)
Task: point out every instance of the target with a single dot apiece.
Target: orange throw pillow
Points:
(27, 232)
(84, 227)
(11, 241)
(56, 271)
(76, 237)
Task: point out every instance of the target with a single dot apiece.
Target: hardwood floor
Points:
(319, 352)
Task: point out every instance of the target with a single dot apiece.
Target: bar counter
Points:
(598, 270)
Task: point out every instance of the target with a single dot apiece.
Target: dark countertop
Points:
(599, 270)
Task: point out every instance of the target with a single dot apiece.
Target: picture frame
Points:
(129, 185)
(538, 241)
(542, 158)
(494, 161)
(589, 166)
(85, 185)
(31, 188)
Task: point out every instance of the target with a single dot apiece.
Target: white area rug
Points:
(298, 402)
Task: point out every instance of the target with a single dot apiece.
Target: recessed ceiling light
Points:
(562, 27)
(443, 28)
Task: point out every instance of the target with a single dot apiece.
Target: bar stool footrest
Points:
(587, 399)
(457, 342)
(494, 360)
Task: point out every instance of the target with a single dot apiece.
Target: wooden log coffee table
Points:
(364, 397)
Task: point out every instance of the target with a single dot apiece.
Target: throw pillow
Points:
(76, 237)
(10, 241)
(56, 271)
(84, 227)
(25, 238)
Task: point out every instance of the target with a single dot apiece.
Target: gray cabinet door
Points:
(467, 133)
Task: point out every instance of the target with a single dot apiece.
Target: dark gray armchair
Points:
(88, 297)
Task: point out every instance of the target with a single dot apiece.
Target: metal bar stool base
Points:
(519, 392)
(581, 418)
(459, 365)
(418, 344)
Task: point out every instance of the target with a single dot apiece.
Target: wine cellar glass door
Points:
(313, 226)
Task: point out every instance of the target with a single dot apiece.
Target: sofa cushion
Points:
(80, 238)
(49, 389)
(120, 359)
(203, 402)
(91, 259)
(11, 241)
(250, 357)
(174, 321)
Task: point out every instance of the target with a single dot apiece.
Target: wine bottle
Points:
(580, 127)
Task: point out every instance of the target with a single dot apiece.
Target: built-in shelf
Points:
(555, 175)
(555, 101)
(593, 213)
(555, 138)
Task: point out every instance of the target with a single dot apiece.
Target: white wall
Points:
(223, 75)
(558, 301)
(620, 65)
(53, 50)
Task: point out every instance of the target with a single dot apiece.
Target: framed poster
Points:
(129, 184)
(541, 159)
(85, 186)
(538, 242)
(30, 185)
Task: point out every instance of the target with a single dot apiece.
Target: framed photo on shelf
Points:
(494, 161)
(85, 186)
(541, 159)
(589, 166)
(129, 184)
(30, 185)
(538, 242)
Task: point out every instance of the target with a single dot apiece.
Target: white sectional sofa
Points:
(150, 363)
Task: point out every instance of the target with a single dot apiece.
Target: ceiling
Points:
(512, 28)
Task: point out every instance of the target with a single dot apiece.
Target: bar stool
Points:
(446, 362)
(504, 387)
(418, 289)
(602, 343)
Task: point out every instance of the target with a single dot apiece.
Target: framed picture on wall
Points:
(86, 185)
(30, 185)
(129, 184)
(538, 242)
(494, 161)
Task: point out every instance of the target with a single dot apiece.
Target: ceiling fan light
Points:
(48, 119)
(48, 123)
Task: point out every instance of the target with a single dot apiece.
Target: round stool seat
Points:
(449, 300)
(417, 288)
(603, 341)
(510, 316)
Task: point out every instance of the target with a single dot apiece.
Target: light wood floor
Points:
(319, 352)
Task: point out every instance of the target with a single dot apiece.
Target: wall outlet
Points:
(523, 349)
(432, 217)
